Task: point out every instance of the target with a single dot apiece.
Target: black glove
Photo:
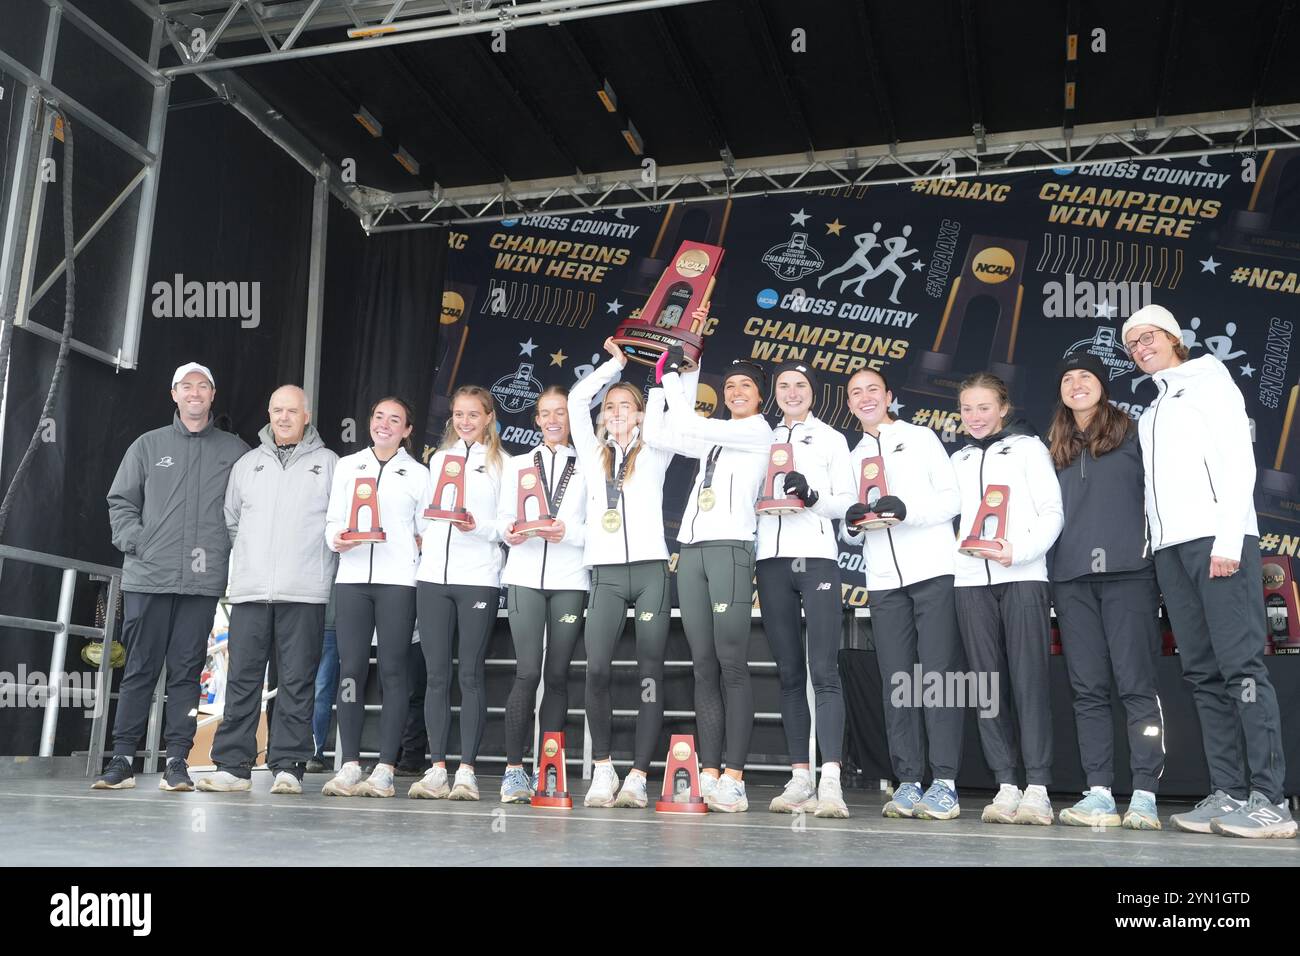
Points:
(855, 513)
(676, 360)
(797, 485)
(888, 504)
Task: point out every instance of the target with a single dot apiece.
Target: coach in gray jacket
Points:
(165, 508)
(281, 572)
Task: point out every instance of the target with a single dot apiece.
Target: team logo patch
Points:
(165, 461)
(315, 469)
(259, 467)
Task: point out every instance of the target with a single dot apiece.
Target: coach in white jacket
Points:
(281, 573)
(1200, 483)
(910, 592)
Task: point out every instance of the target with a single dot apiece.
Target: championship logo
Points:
(794, 258)
(1105, 347)
(517, 391)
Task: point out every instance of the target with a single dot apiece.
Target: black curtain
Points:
(231, 207)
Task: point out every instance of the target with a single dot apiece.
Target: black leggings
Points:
(783, 584)
(531, 611)
(445, 611)
(715, 588)
(644, 586)
(361, 610)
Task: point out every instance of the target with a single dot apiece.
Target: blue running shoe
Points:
(939, 803)
(515, 786)
(906, 797)
(1096, 809)
(1141, 814)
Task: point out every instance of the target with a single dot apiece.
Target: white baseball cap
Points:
(192, 367)
(1156, 315)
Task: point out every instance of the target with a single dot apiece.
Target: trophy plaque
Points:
(871, 488)
(780, 462)
(1282, 604)
(531, 490)
(681, 792)
(552, 788)
(365, 497)
(667, 317)
(452, 476)
(990, 523)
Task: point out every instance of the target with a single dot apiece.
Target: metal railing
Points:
(56, 687)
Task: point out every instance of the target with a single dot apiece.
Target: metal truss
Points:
(42, 98)
(369, 23)
(1173, 137)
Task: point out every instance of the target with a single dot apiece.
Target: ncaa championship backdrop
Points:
(926, 281)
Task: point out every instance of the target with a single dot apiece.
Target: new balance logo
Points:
(568, 618)
(315, 469)
(720, 608)
(824, 586)
(259, 467)
(480, 605)
(1265, 817)
(647, 615)
(164, 462)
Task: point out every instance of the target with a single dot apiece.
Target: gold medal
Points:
(611, 520)
(707, 499)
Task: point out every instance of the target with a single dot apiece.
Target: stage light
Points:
(368, 120)
(409, 162)
(607, 96)
(633, 139)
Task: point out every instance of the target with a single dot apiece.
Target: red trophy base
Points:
(375, 535)
(645, 344)
(874, 522)
(530, 528)
(552, 760)
(975, 546)
(778, 506)
(681, 757)
(454, 515)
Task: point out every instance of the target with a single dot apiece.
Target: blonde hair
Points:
(491, 438)
(995, 385)
(602, 433)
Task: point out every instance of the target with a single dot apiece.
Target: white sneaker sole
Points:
(779, 805)
(127, 784)
(462, 792)
(368, 789)
(293, 788)
(179, 788)
(1135, 821)
(597, 801)
(923, 812)
(1033, 818)
(1072, 818)
(1191, 827)
(1278, 831)
(419, 791)
(831, 810)
(625, 801)
(333, 788)
(740, 806)
(994, 814)
(208, 786)
(896, 811)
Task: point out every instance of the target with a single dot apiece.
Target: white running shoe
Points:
(729, 796)
(345, 782)
(604, 784)
(1035, 809)
(379, 783)
(830, 800)
(285, 782)
(223, 781)
(432, 786)
(633, 794)
(708, 787)
(1004, 806)
(465, 786)
(798, 797)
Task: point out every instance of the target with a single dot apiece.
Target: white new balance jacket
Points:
(919, 474)
(1198, 459)
(821, 455)
(403, 485)
(639, 532)
(537, 563)
(738, 449)
(1034, 513)
(447, 554)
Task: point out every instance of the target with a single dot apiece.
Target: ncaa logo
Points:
(767, 298)
(508, 223)
(993, 265)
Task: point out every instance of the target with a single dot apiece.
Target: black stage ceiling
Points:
(726, 85)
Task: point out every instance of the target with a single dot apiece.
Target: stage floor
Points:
(61, 822)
